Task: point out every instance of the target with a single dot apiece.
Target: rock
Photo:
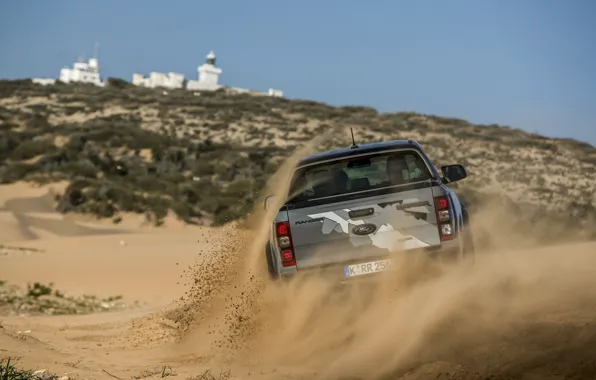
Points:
(64, 378)
(42, 374)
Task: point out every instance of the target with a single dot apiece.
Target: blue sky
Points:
(529, 64)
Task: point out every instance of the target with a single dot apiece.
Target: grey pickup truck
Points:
(350, 210)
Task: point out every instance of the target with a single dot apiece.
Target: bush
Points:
(117, 83)
(9, 372)
(15, 172)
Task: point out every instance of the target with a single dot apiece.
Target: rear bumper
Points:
(447, 248)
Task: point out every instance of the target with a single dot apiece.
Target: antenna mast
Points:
(95, 50)
(353, 140)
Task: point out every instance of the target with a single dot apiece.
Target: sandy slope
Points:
(516, 314)
(90, 257)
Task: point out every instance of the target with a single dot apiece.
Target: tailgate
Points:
(364, 228)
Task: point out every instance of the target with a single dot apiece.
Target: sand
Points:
(202, 302)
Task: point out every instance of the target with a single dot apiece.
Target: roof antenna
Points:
(354, 146)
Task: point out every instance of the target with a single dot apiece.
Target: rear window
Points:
(355, 175)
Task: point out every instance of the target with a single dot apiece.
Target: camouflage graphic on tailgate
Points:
(397, 225)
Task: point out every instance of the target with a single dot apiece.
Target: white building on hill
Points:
(276, 93)
(82, 72)
(155, 79)
(208, 76)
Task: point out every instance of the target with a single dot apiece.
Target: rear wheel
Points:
(469, 251)
(270, 263)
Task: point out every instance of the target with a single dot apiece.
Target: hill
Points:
(206, 156)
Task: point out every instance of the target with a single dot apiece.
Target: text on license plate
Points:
(366, 268)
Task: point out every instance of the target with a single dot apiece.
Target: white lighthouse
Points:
(208, 75)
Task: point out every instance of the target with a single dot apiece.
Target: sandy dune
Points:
(141, 264)
(525, 314)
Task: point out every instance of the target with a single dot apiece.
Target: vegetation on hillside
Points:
(206, 156)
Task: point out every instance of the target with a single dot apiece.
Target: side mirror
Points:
(453, 173)
(269, 201)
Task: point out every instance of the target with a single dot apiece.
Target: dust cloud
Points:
(511, 313)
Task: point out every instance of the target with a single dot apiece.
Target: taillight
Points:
(283, 228)
(444, 218)
(284, 240)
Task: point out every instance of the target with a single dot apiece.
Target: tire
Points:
(468, 239)
(465, 215)
(270, 264)
(465, 251)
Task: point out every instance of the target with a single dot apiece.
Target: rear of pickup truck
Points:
(351, 216)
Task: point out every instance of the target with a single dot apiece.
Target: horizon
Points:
(527, 65)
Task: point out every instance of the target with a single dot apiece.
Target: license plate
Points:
(366, 268)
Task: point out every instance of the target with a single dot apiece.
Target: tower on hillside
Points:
(208, 75)
(208, 72)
